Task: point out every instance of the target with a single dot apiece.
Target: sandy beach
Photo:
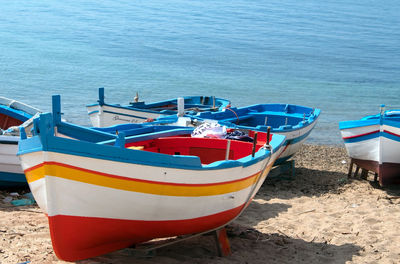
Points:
(319, 216)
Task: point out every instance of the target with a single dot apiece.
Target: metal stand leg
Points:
(222, 242)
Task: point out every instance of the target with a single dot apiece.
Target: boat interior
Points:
(274, 121)
(7, 121)
(208, 150)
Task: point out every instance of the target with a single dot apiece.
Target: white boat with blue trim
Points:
(100, 196)
(373, 143)
(12, 113)
(103, 114)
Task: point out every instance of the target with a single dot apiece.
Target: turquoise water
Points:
(340, 56)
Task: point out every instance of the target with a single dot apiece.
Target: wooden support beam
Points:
(364, 174)
(222, 242)
(350, 169)
(356, 172)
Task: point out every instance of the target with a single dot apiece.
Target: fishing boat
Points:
(107, 195)
(373, 143)
(12, 113)
(295, 122)
(103, 114)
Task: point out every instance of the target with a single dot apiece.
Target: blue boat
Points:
(103, 114)
(12, 114)
(293, 121)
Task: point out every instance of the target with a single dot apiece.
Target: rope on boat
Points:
(237, 122)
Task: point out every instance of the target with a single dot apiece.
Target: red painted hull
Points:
(388, 173)
(75, 238)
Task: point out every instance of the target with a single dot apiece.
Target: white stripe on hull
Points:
(379, 149)
(82, 199)
(9, 161)
(105, 119)
(364, 150)
(350, 132)
(38, 189)
(390, 150)
(392, 129)
(142, 172)
(44, 193)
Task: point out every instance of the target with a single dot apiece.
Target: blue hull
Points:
(8, 179)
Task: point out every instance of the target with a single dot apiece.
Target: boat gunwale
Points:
(46, 141)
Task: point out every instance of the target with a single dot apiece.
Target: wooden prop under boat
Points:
(295, 122)
(373, 143)
(101, 197)
(12, 113)
(103, 114)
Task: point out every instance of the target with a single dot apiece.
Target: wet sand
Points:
(319, 216)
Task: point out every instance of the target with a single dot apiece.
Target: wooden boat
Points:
(295, 122)
(12, 113)
(373, 143)
(103, 114)
(104, 196)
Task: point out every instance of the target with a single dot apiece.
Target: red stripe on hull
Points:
(391, 133)
(75, 237)
(365, 134)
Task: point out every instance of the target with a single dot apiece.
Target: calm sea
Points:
(340, 56)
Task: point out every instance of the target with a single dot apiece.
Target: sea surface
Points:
(340, 56)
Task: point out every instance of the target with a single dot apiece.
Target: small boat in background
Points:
(12, 114)
(103, 114)
(373, 143)
(104, 196)
(295, 122)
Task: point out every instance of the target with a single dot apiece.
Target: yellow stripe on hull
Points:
(189, 190)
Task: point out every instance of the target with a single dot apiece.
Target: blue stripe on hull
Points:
(372, 136)
(391, 136)
(362, 138)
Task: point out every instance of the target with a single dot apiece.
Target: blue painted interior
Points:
(280, 117)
